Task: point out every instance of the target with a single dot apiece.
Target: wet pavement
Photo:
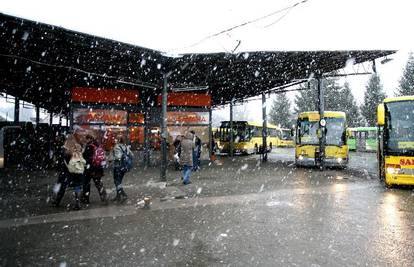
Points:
(235, 213)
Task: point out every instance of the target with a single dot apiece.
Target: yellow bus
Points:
(285, 138)
(395, 119)
(247, 137)
(307, 139)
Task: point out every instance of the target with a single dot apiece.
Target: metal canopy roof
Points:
(40, 63)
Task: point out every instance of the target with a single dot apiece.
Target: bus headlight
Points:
(339, 160)
(393, 168)
(300, 157)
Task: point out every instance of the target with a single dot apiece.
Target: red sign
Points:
(187, 99)
(187, 117)
(405, 162)
(102, 95)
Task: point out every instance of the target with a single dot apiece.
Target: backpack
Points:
(98, 157)
(126, 160)
(76, 164)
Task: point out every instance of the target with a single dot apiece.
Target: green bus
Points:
(363, 139)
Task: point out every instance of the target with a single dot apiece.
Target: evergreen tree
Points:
(406, 86)
(349, 106)
(333, 97)
(336, 98)
(306, 98)
(280, 111)
(374, 94)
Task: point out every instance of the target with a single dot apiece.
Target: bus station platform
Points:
(236, 211)
(26, 194)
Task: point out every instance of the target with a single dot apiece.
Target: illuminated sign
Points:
(187, 117)
(187, 99)
(103, 95)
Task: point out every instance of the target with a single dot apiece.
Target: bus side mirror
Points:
(381, 115)
(348, 133)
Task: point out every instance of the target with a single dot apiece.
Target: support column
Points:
(60, 119)
(37, 115)
(16, 109)
(322, 123)
(210, 134)
(231, 130)
(164, 133)
(264, 131)
(51, 140)
(128, 140)
(71, 118)
(67, 121)
(146, 139)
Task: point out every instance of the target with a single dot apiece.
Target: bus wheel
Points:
(382, 178)
(387, 185)
(384, 181)
(256, 149)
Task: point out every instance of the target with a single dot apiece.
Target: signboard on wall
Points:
(99, 116)
(186, 117)
(104, 95)
(186, 99)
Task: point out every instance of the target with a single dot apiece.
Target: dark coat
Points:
(187, 148)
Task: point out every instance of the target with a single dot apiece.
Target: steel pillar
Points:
(146, 139)
(164, 133)
(37, 115)
(51, 139)
(71, 118)
(322, 136)
(210, 134)
(231, 130)
(16, 109)
(264, 131)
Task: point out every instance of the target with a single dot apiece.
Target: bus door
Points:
(362, 141)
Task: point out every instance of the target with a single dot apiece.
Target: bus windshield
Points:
(335, 132)
(307, 132)
(241, 132)
(399, 130)
(286, 135)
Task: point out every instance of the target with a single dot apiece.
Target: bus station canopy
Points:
(41, 63)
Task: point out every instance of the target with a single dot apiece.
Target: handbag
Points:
(76, 164)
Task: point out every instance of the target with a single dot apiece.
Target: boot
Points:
(123, 195)
(77, 205)
(103, 195)
(85, 198)
(117, 198)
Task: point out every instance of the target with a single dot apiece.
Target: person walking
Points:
(177, 152)
(62, 156)
(186, 157)
(95, 162)
(122, 157)
(196, 151)
(70, 156)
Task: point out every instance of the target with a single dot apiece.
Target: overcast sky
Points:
(184, 26)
